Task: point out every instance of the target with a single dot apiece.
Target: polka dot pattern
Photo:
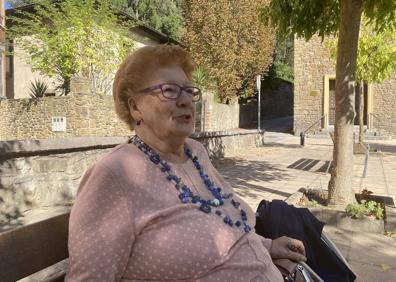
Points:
(128, 225)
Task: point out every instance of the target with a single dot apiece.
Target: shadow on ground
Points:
(280, 145)
(309, 164)
(383, 147)
(240, 173)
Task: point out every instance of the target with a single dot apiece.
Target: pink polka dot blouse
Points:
(128, 224)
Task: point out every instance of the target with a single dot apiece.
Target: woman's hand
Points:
(287, 248)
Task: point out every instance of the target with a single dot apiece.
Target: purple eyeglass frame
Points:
(159, 86)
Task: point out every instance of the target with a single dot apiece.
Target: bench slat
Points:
(28, 249)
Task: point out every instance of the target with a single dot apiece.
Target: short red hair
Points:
(134, 70)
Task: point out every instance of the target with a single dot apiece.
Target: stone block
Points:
(340, 220)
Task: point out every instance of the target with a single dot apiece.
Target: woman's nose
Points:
(185, 100)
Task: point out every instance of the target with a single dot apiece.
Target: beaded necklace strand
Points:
(185, 193)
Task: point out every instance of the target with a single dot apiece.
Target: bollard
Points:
(366, 161)
(302, 139)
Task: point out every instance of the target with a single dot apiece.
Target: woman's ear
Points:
(133, 109)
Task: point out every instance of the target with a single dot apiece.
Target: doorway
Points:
(329, 103)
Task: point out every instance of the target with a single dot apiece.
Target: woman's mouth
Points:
(184, 118)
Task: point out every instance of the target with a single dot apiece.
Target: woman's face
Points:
(161, 117)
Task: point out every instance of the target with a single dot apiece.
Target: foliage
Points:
(313, 203)
(165, 16)
(366, 208)
(72, 38)
(376, 59)
(282, 66)
(200, 78)
(284, 71)
(229, 43)
(310, 17)
(37, 89)
(365, 193)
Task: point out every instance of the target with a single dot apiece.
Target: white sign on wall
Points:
(58, 123)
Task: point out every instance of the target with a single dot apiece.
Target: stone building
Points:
(314, 92)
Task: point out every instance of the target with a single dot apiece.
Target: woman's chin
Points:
(183, 131)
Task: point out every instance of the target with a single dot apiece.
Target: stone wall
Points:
(248, 113)
(277, 103)
(86, 115)
(39, 173)
(218, 117)
(311, 62)
(91, 115)
(220, 144)
(274, 103)
(384, 107)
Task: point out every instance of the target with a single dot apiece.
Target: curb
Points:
(339, 219)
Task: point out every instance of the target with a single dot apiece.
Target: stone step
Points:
(366, 137)
(370, 134)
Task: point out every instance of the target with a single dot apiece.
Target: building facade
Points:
(314, 92)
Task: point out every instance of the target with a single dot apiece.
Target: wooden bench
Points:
(31, 248)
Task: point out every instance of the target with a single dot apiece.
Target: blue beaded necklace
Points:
(185, 193)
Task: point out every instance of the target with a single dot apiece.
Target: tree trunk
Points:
(360, 88)
(340, 185)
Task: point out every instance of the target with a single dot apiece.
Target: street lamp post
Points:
(258, 83)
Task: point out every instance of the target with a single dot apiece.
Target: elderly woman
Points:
(155, 208)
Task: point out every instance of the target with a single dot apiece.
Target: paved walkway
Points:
(282, 166)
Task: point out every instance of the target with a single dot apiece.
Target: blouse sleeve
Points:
(101, 230)
(266, 242)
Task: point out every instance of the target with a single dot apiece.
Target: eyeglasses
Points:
(172, 91)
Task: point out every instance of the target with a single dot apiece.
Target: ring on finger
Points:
(290, 246)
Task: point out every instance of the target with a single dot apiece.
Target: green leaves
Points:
(73, 37)
(200, 78)
(376, 60)
(303, 18)
(366, 208)
(381, 14)
(163, 15)
(376, 54)
(37, 89)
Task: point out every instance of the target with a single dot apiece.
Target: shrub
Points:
(365, 208)
(37, 89)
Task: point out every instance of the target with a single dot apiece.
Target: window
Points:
(58, 124)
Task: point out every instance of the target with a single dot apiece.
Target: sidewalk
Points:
(282, 166)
